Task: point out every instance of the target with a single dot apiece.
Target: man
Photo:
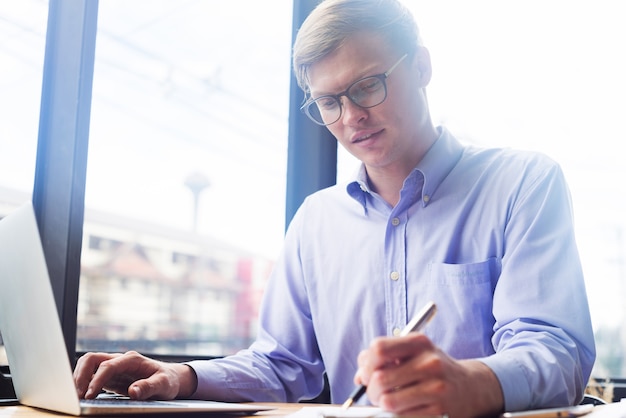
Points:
(486, 234)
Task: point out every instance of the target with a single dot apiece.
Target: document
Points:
(562, 412)
(611, 410)
(339, 412)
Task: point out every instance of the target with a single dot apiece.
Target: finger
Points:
(139, 390)
(85, 368)
(163, 383)
(419, 398)
(360, 378)
(362, 358)
(383, 353)
(157, 386)
(406, 383)
(81, 376)
(113, 373)
(389, 351)
(361, 375)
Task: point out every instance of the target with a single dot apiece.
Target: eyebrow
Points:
(364, 74)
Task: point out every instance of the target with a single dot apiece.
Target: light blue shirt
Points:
(487, 234)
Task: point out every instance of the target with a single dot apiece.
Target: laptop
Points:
(33, 339)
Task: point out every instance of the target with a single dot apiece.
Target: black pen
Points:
(417, 323)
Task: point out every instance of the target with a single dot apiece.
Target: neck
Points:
(388, 180)
(387, 183)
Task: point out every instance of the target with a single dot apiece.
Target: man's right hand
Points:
(134, 375)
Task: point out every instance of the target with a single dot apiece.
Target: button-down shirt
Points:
(487, 234)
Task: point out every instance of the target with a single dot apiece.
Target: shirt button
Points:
(426, 198)
(395, 222)
(396, 332)
(394, 275)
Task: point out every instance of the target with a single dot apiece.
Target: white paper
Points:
(611, 410)
(339, 412)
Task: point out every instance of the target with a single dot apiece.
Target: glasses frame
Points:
(337, 97)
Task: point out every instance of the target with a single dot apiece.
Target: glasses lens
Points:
(366, 93)
(369, 92)
(324, 110)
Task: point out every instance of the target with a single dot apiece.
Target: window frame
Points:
(61, 164)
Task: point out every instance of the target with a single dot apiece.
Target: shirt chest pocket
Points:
(469, 274)
(464, 295)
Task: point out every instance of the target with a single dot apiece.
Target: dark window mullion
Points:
(59, 189)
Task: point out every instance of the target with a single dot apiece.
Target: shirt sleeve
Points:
(543, 335)
(284, 363)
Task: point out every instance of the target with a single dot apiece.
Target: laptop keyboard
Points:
(122, 401)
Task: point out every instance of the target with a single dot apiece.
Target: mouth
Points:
(364, 136)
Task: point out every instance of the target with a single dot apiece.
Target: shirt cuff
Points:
(206, 373)
(513, 381)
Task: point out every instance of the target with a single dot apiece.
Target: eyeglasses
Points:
(366, 92)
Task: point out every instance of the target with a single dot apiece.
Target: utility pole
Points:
(197, 183)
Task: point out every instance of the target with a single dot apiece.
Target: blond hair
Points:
(333, 21)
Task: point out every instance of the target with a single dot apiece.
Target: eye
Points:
(327, 103)
(366, 86)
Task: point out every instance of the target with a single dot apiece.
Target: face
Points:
(394, 134)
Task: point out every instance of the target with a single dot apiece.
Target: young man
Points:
(486, 234)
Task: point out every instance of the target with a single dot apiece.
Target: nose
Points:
(352, 113)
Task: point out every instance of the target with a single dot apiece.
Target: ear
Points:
(421, 61)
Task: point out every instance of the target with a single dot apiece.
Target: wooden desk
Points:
(612, 410)
(281, 410)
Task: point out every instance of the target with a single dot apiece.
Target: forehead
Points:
(359, 56)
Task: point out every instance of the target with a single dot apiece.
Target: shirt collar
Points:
(440, 159)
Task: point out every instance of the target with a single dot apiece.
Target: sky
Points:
(196, 86)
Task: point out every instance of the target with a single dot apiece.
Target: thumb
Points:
(157, 386)
(140, 390)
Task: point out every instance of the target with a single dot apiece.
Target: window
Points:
(186, 174)
(24, 23)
